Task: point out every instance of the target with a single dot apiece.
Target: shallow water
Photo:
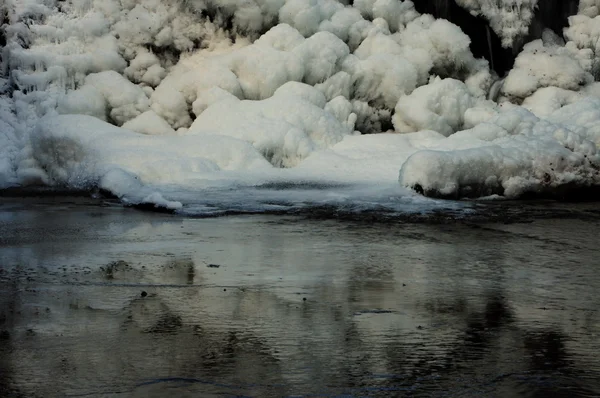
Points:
(97, 300)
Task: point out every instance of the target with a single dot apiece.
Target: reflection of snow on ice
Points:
(166, 102)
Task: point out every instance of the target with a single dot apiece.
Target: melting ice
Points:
(213, 105)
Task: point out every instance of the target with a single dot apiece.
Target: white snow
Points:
(148, 99)
(285, 128)
(9, 142)
(540, 65)
(510, 19)
(149, 123)
(125, 100)
(439, 106)
(511, 154)
(82, 152)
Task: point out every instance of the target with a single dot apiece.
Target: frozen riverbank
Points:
(152, 100)
(276, 306)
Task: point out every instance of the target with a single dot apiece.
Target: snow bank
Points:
(142, 98)
(84, 152)
(367, 158)
(513, 154)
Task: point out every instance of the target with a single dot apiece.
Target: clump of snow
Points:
(247, 72)
(125, 100)
(381, 79)
(171, 105)
(281, 37)
(589, 8)
(145, 68)
(509, 19)
(260, 70)
(539, 65)
(208, 97)
(342, 110)
(513, 154)
(581, 117)
(149, 123)
(584, 34)
(83, 152)
(338, 84)
(86, 100)
(439, 106)
(545, 101)
(301, 91)
(284, 128)
(320, 54)
(445, 44)
(306, 16)
(397, 14)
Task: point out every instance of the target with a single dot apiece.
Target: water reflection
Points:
(150, 305)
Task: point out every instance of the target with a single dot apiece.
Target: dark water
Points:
(101, 301)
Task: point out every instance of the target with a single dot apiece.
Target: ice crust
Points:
(149, 99)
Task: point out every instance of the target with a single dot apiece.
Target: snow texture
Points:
(142, 97)
(510, 19)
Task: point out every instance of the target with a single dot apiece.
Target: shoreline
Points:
(476, 211)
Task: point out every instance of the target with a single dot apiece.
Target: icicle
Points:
(494, 92)
(489, 40)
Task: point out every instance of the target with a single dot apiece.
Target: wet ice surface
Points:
(309, 305)
(352, 200)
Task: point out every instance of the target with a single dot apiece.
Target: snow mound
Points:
(540, 65)
(83, 152)
(125, 100)
(149, 123)
(149, 98)
(439, 106)
(513, 154)
(285, 128)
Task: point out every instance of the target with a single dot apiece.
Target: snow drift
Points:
(148, 99)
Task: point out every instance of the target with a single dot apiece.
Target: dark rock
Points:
(144, 294)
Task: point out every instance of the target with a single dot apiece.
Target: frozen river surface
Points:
(101, 301)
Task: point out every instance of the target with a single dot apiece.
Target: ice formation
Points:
(149, 98)
(510, 19)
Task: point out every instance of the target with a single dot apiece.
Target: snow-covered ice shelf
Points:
(153, 100)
